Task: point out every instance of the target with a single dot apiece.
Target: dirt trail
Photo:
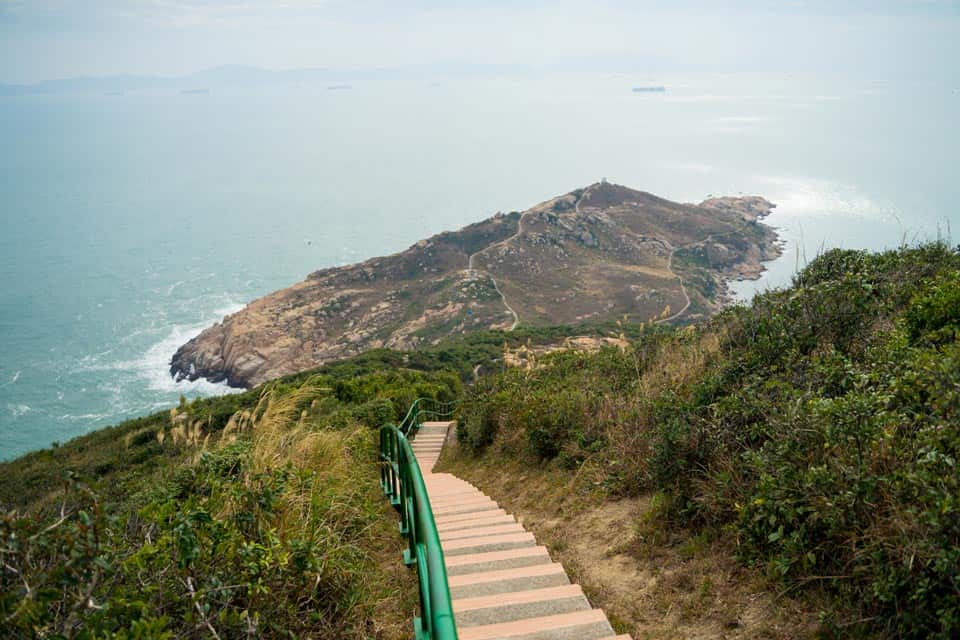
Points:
(472, 271)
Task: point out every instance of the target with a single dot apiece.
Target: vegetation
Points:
(817, 429)
(254, 515)
(815, 433)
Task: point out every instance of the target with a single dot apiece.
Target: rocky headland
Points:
(599, 253)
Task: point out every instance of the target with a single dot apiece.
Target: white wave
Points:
(173, 287)
(154, 365)
(85, 416)
(15, 377)
(17, 410)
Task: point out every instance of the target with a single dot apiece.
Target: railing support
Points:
(402, 483)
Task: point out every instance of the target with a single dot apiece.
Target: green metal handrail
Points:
(435, 408)
(403, 484)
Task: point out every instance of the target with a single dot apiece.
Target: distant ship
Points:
(652, 89)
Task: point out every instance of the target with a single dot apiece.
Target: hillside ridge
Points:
(599, 253)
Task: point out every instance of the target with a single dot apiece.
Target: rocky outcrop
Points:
(597, 253)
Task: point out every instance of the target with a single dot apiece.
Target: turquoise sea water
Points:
(131, 222)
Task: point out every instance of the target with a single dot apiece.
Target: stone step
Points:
(579, 625)
(476, 523)
(496, 560)
(478, 501)
(466, 517)
(442, 498)
(460, 501)
(487, 583)
(451, 496)
(482, 544)
(447, 487)
(477, 532)
(467, 508)
(507, 607)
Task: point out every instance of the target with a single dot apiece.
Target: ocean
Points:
(130, 222)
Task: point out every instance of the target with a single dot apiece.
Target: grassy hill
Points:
(814, 434)
(257, 514)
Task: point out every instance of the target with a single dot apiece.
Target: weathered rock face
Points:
(596, 253)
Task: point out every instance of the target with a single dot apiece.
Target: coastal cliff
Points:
(598, 253)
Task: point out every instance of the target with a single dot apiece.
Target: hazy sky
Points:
(45, 39)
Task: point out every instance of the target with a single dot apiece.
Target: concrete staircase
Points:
(504, 585)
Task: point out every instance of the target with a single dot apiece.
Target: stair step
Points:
(487, 583)
(517, 597)
(507, 607)
(466, 517)
(496, 560)
(460, 498)
(476, 532)
(480, 544)
(476, 500)
(467, 508)
(476, 523)
(579, 625)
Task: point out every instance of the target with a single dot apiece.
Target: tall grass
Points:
(265, 523)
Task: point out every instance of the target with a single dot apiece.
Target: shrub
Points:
(821, 428)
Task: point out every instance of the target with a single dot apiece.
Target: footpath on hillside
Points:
(503, 584)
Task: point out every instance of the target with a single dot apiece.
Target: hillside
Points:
(597, 254)
(813, 436)
(257, 515)
(784, 469)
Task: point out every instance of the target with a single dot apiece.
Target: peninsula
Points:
(599, 253)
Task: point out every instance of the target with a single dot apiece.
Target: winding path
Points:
(503, 584)
(472, 271)
(683, 287)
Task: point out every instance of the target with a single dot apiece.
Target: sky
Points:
(48, 39)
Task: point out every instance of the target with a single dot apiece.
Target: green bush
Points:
(821, 428)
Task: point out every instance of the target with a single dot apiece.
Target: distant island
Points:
(599, 253)
(339, 87)
(195, 91)
(654, 89)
